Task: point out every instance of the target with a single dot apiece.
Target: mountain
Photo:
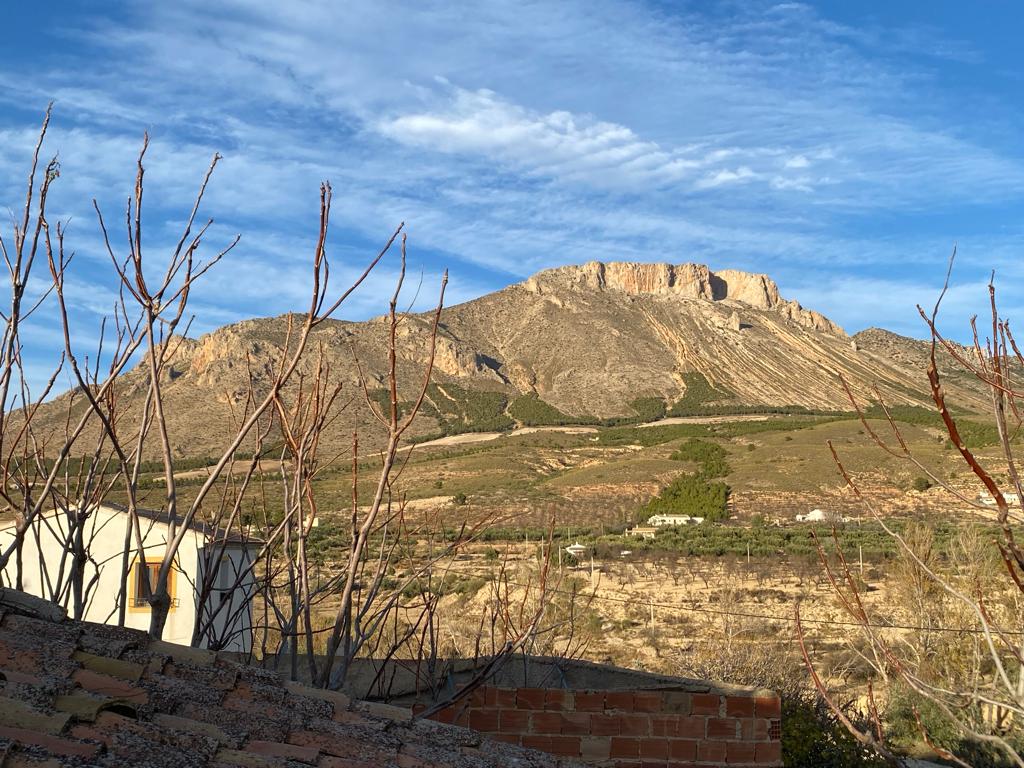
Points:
(582, 343)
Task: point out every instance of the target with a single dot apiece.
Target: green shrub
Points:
(921, 484)
(903, 730)
(812, 737)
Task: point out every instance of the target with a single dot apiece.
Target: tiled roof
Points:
(81, 694)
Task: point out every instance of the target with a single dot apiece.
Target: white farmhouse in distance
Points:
(989, 500)
(45, 555)
(820, 516)
(660, 521)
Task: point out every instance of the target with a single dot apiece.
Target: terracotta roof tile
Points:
(75, 694)
(294, 752)
(197, 727)
(110, 665)
(55, 745)
(112, 687)
(17, 714)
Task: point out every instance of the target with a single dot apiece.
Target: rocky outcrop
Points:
(686, 281)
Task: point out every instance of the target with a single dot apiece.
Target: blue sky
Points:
(840, 147)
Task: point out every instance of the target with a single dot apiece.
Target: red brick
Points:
(635, 725)
(301, 754)
(505, 697)
(460, 716)
(647, 701)
(605, 725)
(622, 700)
(705, 704)
(664, 725)
(546, 722)
(768, 707)
(576, 722)
(682, 749)
(654, 748)
(555, 698)
(739, 706)
(513, 721)
(624, 747)
(711, 751)
(768, 753)
(567, 746)
(595, 749)
(589, 701)
(754, 729)
(739, 752)
(446, 715)
(723, 728)
(485, 720)
(691, 727)
(530, 698)
(676, 702)
(536, 741)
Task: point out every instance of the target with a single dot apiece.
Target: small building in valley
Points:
(643, 531)
(660, 521)
(225, 614)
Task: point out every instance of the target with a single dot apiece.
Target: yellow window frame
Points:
(139, 604)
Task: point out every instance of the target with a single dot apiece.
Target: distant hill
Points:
(596, 342)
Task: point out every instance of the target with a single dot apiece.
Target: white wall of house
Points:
(45, 554)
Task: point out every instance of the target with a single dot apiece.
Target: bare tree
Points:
(959, 649)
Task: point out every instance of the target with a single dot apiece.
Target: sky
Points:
(841, 148)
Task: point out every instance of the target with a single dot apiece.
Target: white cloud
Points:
(516, 137)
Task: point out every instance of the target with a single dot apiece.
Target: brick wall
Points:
(627, 729)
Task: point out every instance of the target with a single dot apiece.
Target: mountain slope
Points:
(586, 340)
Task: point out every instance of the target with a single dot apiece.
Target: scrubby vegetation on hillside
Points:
(458, 409)
(710, 457)
(530, 411)
(649, 408)
(698, 392)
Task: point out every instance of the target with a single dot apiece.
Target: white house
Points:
(660, 521)
(987, 498)
(820, 516)
(46, 562)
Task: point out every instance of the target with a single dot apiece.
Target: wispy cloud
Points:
(519, 136)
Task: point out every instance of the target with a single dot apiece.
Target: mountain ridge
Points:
(588, 341)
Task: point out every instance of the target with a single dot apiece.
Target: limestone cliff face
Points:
(685, 281)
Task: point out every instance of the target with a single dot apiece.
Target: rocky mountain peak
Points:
(686, 281)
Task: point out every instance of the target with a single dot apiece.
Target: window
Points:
(140, 588)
